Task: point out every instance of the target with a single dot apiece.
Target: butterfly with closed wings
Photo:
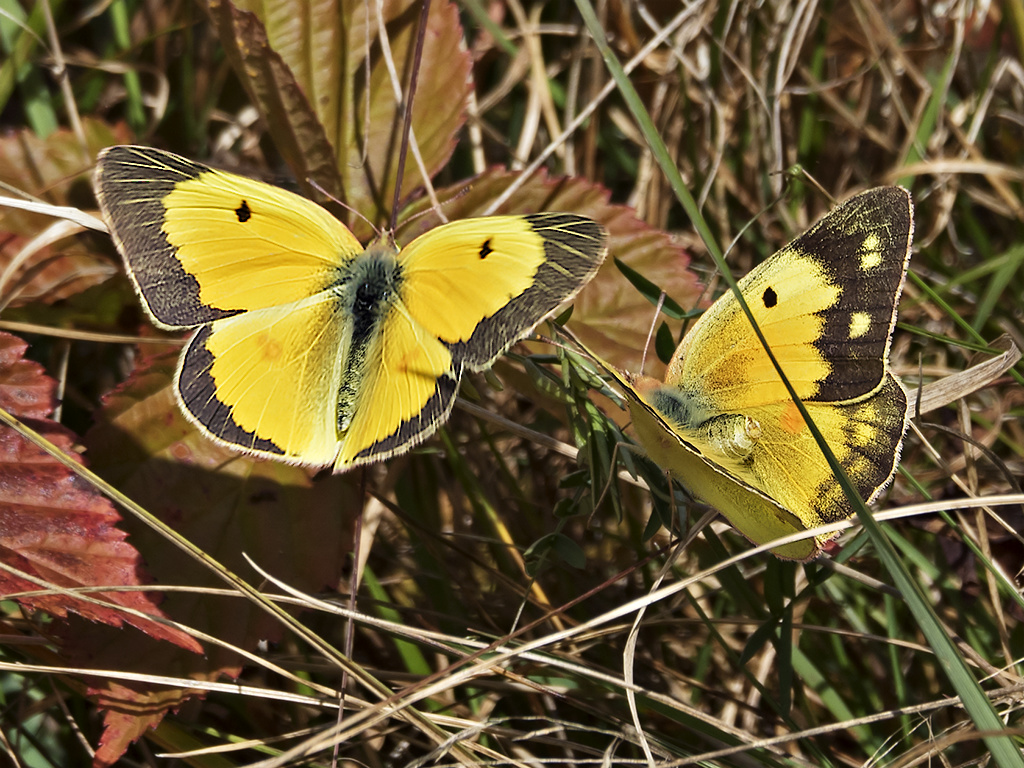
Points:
(722, 421)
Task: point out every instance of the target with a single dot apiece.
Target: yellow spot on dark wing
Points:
(866, 430)
(791, 421)
(859, 467)
(871, 252)
(860, 323)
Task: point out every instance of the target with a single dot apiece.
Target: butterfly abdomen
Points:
(368, 293)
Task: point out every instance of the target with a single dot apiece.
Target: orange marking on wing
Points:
(270, 347)
(791, 420)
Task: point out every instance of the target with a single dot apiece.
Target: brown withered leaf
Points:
(54, 169)
(305, 66)
(273, 87)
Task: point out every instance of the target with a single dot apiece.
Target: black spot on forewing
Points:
(243, 213)
(485, 249)
(574, 247)
(770, 298)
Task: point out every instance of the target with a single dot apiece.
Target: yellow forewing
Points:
(741, 376)
(464, 271)
(251, 245)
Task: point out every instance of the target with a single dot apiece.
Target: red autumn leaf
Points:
(53, 524)
(228, 505)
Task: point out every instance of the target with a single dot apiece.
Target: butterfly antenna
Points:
(417, 57)
(436, 210)
(313, 183)
(797, 172)
(650, 331)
